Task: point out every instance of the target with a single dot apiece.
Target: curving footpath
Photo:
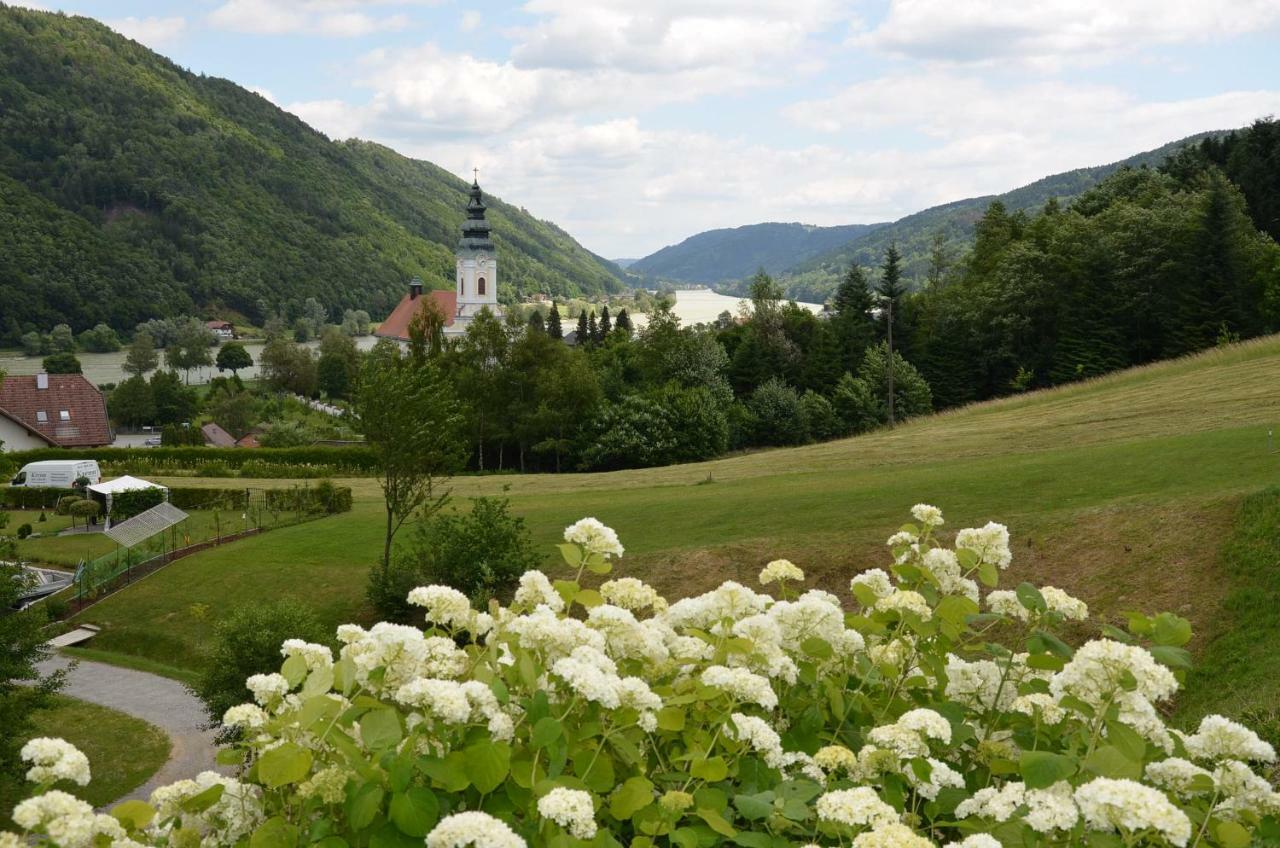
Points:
(158, 700)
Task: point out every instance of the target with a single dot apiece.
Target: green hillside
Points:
(814, 278)
(1121, 490)
(731, 254)
(131, 188)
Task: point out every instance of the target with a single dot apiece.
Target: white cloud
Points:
(334, 18)
(1052, 31)
(154, 32)
(470, 21)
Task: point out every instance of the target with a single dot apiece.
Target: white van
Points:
(57, 473)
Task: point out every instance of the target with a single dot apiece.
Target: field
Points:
(1122, 490)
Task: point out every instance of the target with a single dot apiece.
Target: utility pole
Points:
(890, 362)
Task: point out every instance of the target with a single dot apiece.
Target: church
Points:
(475, 284)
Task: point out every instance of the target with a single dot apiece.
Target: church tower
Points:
(477, 266)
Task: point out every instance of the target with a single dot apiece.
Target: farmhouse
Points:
(475, 285)
(58, 410)
(222, 329)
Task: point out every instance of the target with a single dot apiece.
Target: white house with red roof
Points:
(52, 410)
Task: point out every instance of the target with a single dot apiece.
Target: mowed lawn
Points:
(1121, 490)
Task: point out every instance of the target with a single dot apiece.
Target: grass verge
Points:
(137, 663)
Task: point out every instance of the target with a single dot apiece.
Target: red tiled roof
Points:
(397, 324)
(249, 440)
(218, 325)
(86, 423)
(216, 436)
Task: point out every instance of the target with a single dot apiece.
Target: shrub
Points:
(606, 716)
(480, 554)
(247, 642)
(777, 414)
(128, 504)
(25, 530)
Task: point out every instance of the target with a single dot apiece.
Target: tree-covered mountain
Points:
(732, 254)
(131, 188)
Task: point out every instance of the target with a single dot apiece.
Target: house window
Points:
(64, 415)
(42, 416)
(480, 287)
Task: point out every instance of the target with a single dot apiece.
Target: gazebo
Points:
(105, 490)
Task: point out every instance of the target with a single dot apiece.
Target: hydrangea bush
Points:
(932, 709)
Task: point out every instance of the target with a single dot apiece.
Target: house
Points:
(248, 440)
(52, 410)
(216, 437)
(222, 329)
(475, 285)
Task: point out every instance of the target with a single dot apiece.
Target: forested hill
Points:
(947, 230)
(732, 254)
(131, 188)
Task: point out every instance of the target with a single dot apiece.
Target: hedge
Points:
(22, 497)
(351, 458)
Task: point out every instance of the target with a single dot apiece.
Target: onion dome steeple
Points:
(475, 230)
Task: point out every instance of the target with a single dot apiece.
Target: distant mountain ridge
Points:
(813, 277)
(731, 254)
(131, 188)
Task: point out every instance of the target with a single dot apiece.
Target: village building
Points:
(52, 410)
(222, 329)
(216, 437)
(475, 284)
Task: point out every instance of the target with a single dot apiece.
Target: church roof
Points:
(397, 324)
(475, 229)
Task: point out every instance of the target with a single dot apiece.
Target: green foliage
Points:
(286, 434)
(286, 366)
(247, 642)
(61, 363)
(131, 403)
(232, 356)
(163, 190)
(481, 554)
(128, 504)
(141, 356)
(100, 339)
(778, 417)
(175, 402)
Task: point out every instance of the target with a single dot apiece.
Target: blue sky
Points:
(636, 123)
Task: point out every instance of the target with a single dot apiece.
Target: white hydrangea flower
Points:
(977, 840)
(729, 601)
(1100, 668)
(232, 818)
(404, 654)
(267, 687)
(329, 785)
(857, 807)
(625, 637)
(815, 614)
(1005, 602)
(836, 758)
(65, 819)
(445, 605)
(630, 593)
(742, 684)
(1051, 809)
(891, 835)
(1220, 738)
(1072, 609)
(591, 675)
(990, 542)
(55, 759)
(536, 590)
(473, 828)
(549, 634)
(874, 579)
(594, 537)
(445, 699)
(249, 716)
(1244, 791)
(993, 802)
(762, 738)
(1126, 805)
(1039, 702)
(941, 776)
(571, 809)
(927, 514)
(1177, 775)
(780, 570)
(904, 601)
(977, 684)
(907, 736)
(315, 656)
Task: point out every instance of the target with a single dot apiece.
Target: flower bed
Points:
(610, 717)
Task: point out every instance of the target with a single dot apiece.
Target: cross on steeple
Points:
(476, 175)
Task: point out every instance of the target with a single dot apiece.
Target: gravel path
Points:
(163, 702)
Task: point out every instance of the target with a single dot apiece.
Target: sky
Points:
(634, 124)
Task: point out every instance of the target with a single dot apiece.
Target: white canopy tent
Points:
(107, 488)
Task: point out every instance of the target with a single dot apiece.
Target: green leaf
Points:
(572, 554)
(711, 770)
(380, 729)
(716, 822)
(753, 807)
(671, 718)
(1042, 769)
(633, 795)
(364, 805)
(1046, 662)
(275, 832)
(487, 765)
(815, 647)
(753, 840)
(546, 731)
(318, 682)
(1171, 656)
(1127, 741)
(1172, 630)
(1107, 761)
(988, 575)
(202, 801)
(1030, 598)
(134, 814)
(589, 598)
(294, 669)
(415, 811)
(285, 764)
(229, 757)
(1232, 835)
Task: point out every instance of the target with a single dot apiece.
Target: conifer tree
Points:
(606, 326)
(584, 330)
(554, 328)
(624, 323)
(536, 322)
(853, 322)
(593, 330)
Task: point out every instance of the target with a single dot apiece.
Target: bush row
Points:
(355, 458)
(324, 497)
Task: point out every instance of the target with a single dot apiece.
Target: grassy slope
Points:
(1120, 490)
(123, 751)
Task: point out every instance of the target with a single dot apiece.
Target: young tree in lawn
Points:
(141, 356)
(62, 363)
(554, 328)
(412, 421)
(232, 356)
